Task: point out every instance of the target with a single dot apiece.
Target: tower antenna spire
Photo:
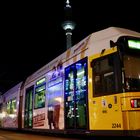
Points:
(68, 3)
(68, 25)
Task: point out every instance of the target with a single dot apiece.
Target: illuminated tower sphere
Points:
(68, 25)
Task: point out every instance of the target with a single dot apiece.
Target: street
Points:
(10, 135)
(13, 135)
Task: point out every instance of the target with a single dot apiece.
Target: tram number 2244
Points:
(116, 125)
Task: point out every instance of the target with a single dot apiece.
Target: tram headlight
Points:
(135, 103)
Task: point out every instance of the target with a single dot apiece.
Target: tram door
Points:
(76, 95)
(28, 116)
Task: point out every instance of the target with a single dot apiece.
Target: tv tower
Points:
(68, 25)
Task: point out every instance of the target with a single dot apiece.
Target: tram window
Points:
(40, 96)
(132, 73)
(104, 73)
(11, 106)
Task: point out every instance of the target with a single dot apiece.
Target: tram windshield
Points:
(132, 72)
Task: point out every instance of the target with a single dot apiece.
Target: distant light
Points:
(134, 44)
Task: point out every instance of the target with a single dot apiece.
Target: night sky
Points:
(31, 32)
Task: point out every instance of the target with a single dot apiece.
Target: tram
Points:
(92, 88)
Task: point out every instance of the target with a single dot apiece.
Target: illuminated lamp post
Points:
(68, 25)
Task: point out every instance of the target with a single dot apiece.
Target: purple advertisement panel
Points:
(55, 106)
